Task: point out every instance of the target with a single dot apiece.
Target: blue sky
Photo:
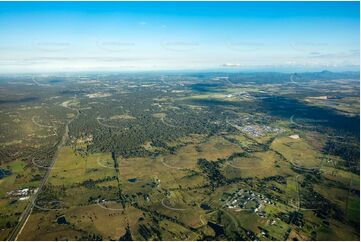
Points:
(131, 36)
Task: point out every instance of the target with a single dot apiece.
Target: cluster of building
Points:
(247, 200)
(21, 194)
(83, 139)
(241, 94)
(98, 94)
(259, 130)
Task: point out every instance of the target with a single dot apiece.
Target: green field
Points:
(180, 157)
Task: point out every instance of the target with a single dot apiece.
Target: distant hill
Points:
(328, 75)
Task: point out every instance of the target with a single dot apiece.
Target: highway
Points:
(29, 208)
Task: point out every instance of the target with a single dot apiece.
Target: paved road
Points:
(29, 208)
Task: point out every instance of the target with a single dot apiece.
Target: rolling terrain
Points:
(180, 156)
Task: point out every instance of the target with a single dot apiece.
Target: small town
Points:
(21, 194)
(247, 200)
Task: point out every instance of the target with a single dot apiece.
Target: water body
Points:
(61, 220)
(5, 173)
(218, 229)
(205, 206)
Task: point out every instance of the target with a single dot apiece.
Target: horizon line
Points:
(179, 71)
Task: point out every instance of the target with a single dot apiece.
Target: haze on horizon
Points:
(147, 36)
